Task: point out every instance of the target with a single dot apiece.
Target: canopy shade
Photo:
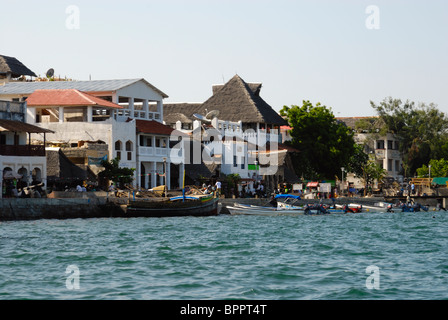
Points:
(18, 126)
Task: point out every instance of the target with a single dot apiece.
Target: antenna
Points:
(50, 73)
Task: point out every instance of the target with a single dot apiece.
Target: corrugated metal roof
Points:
(86, 86)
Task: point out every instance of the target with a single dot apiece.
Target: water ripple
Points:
(227, 257)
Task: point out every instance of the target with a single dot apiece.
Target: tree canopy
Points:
(420, 128)
(325, 144)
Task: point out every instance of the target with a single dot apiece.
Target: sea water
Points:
(337, 257)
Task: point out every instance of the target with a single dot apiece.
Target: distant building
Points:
(12, 69)
(384, 150)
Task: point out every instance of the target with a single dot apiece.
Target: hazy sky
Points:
(333, 52)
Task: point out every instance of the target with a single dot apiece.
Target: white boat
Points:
(378, 207)
(263, 211)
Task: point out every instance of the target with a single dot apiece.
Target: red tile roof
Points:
(155, 127)
(67, 97)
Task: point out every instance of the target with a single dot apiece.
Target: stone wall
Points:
(66, 208)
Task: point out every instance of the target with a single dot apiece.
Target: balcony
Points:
(382, 154)
(152, 151)
(22, 150)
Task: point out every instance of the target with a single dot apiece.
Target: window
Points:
(389, 144)
(128, 146)
(2, 139)
(118, 145)
(380, 144)
(129, 150)
(242, 162)
(234, 161)
(119, 155)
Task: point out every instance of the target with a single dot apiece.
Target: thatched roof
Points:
(180, 111)
(237, 100)
(177, 116)
(14, 67)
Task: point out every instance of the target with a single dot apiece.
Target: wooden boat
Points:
(201, 205)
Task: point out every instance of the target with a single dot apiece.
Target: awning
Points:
(312, 184)
(18, 126)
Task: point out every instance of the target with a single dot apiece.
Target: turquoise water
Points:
(228, 257)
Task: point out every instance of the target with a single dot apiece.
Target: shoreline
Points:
(73, 205)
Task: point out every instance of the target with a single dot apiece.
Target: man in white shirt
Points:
(218, 188)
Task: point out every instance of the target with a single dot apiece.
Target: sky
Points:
(342, 54)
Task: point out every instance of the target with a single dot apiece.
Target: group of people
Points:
(207, 189)
(19, 189)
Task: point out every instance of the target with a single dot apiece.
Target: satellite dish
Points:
(212, 114)
(200, 117)
(50, 73)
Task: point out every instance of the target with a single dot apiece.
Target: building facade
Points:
(22, 163)
(103, 110)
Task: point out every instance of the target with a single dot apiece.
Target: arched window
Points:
(37, 175)
(128, 145)
(129, 149)
(118, 149)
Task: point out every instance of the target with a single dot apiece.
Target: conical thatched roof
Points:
(14, 67)
(237, 100)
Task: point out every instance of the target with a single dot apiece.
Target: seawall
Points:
(101, 205)
(68, 208)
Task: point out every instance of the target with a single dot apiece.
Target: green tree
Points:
(325, 144)
(439, 168)
(358, 161)
(372, 171)
(421, 130)
(112, 171)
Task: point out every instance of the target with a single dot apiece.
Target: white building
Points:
(105, 110)
(243, 123)
(19, 159)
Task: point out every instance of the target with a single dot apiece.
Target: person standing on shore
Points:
(218, 188)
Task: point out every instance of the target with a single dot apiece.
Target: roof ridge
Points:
(84, 96)
(249, 94)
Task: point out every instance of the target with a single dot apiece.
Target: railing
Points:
(151, 151)
(23, 150)
(12, 110)
(138, 114)
(12, 106)
(381, 154)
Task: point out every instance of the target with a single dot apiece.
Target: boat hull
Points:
(199, 209)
